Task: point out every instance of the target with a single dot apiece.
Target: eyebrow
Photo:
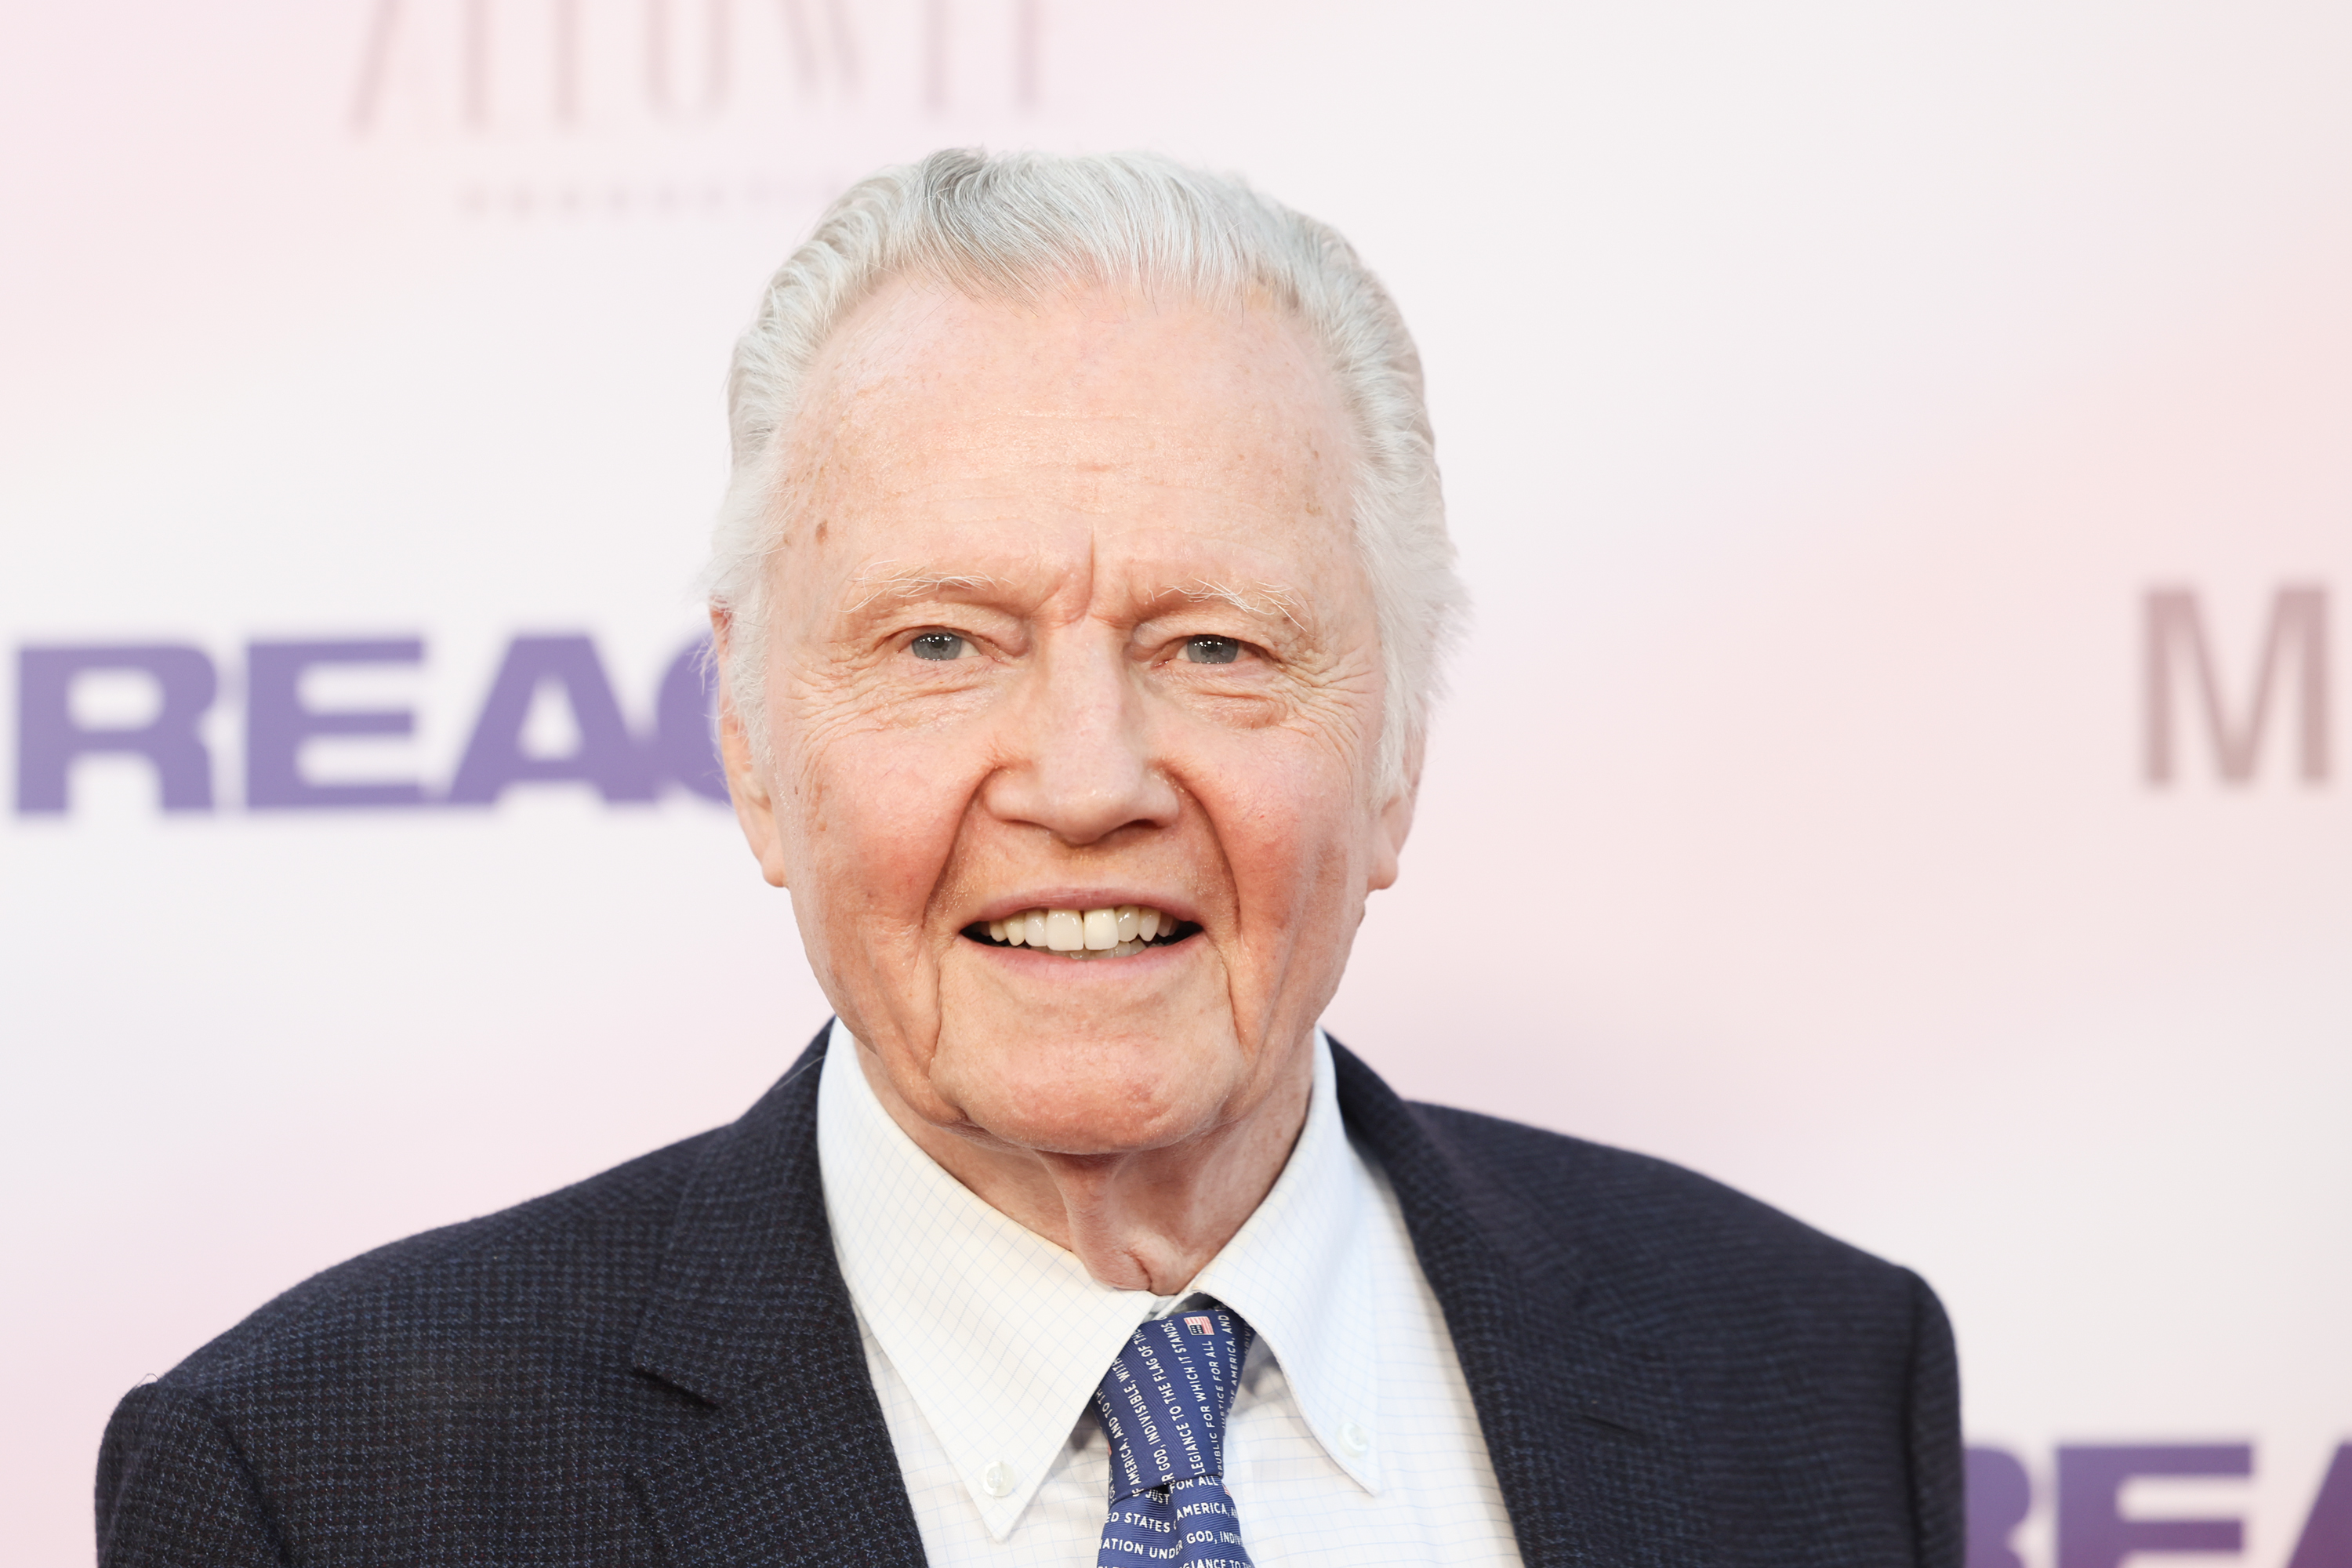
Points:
(1272, 599)
(914, 584)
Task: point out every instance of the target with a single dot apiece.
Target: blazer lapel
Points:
(1588, 1430)
(793, 1464)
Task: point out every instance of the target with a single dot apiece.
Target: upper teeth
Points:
(1075, 931)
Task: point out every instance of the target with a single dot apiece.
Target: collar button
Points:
(1354, 1438)
(998, 1480)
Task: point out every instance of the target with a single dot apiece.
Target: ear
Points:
(748, 785)
(1393, 824)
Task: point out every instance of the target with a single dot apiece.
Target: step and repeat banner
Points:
(1903, 456)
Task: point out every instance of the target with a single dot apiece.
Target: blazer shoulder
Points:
(579, 1258)
(1811, 1387)
(1654, 1244)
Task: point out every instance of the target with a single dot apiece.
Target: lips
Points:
(1117, 931)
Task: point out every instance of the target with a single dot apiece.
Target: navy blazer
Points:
(661, 1365)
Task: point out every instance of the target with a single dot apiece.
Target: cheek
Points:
(875, 815)
(1291, 822)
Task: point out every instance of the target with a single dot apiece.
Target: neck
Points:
(1146, 1220)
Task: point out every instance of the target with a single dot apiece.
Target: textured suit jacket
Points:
(661, 1365)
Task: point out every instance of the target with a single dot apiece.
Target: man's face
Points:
(1069, 618)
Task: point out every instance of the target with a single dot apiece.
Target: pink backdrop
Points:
(1868, 432)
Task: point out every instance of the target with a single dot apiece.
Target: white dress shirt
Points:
(1353, 1439)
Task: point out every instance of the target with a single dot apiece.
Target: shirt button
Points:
(997, 1480)
(1353, 1438)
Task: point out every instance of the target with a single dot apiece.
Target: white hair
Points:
(1021, 226)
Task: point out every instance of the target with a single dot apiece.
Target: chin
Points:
(1081, 1096)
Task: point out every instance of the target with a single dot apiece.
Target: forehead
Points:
(935, 429)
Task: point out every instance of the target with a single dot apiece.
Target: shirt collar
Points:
(1299, 1271)
(1002, 1337)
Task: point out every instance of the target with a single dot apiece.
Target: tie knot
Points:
(1163, 1403)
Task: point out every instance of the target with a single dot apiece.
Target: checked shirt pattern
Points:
(1163, 1405)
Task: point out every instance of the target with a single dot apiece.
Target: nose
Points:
(1077, 754)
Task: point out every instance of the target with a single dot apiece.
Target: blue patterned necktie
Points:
(1163, 1405)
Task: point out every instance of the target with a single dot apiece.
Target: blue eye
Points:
(938, 644)
(1212, 650)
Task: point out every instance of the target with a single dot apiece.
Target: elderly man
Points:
(1077, 598)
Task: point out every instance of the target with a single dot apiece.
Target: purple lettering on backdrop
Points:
(275, 723)
(682, 724)
(2091, 1531)
(49, 739)
(2326, 1541)
(1999, 1496)
(2173, 633)
(607, 756)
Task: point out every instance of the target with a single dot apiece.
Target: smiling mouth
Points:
(1117, 932)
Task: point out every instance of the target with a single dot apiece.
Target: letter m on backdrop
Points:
(2180, 670)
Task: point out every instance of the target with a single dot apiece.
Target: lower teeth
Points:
(1121, 951)
(1124, 949)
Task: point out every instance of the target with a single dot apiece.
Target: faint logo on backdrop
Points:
(2093, 1526)
(576, 107)
(2189, 704)
(563, 675)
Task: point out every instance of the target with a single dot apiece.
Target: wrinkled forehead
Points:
(922, 376)
(1198, 443)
